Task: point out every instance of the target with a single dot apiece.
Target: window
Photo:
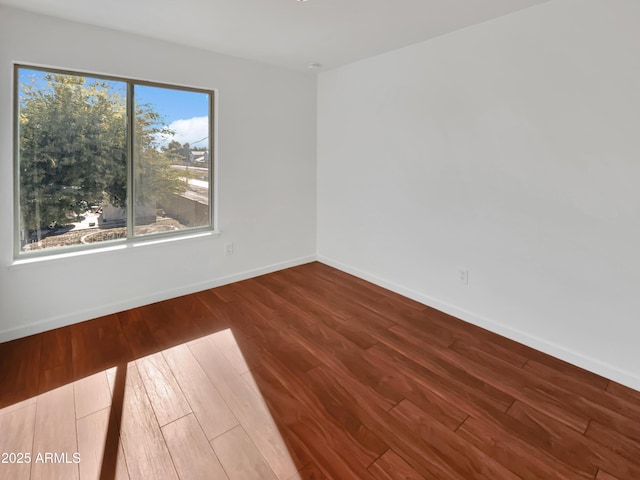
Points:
(108, 160)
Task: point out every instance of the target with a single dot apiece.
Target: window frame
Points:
(131, 239)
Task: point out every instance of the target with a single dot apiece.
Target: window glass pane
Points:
(171, 160)
(72, 159)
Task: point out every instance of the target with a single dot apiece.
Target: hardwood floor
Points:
(307, 373)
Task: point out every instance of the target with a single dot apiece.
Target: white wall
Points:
(267, 153)
(511, 148)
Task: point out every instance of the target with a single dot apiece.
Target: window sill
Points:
(63, 255)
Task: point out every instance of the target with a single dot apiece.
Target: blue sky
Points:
(173, 104)
(183, 111)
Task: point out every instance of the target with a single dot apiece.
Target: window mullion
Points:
(130, 150)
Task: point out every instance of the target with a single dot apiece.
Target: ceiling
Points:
(287, 33)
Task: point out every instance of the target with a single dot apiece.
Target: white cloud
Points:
(190, 130)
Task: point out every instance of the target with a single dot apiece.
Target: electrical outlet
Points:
(463, 276)
(228, 249)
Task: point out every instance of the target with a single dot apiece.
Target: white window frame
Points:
(131, 239)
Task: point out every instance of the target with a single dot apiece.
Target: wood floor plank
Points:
(425, 398)
(207, 306)
(614, 441)
(279, 344)
(426, 333)
(370, 444)
(473, 333)
(18, 405)
(138, 333)
(357, 328)
(520, 457)
(240, 458)
(91, 394)
(245, 318)
(167, 399)
(493, 350)
(225, 293)
(55, 432)
(172, 321)
(602, 475)
(153, 328)
(363, 296)
(462, 396)
(363, 444)
(557, 439)
(144, 447)
(17, 426)
(208, 406)
(563, 405)
(310, 472)
(465, 401)
(306, 424)
(492, 354)
(399, 436)
(227, 343)
(445, 445)
(105, 332)
(305, 418)
(344, 357)
(594, 391)
(248, 407)
(192, 310)
(92, 437)
(191, 452)
(312, 298)
(346, 279)
(623, 392)
(391, 466)
(569, 370)
(254, 292)
(55, 377)
(290, 303)
(584, 381)
(19, 369)
(56, 348)
(313, 288)
(445, 363)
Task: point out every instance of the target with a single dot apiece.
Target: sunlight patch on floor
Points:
(188, 411)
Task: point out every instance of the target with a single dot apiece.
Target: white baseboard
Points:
(562, 352)
(108, 309)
